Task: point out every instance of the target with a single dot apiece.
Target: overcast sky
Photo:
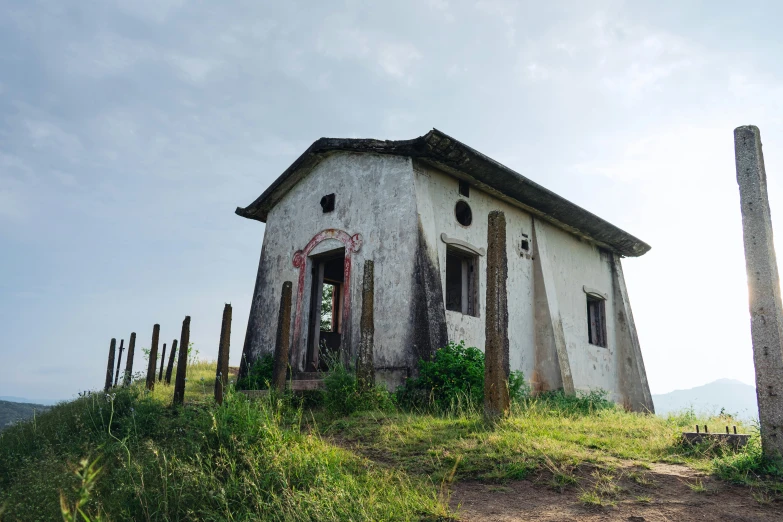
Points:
(130, 130)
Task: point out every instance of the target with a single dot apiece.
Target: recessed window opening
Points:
(464, 189)
(596, 321)
(461, 282)
(327, 203)
(463, 213)
(525, 244)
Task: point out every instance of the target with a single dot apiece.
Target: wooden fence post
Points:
(170, 367)
(221, 373)
(153, 357)
(110, 367)
(129, 360)
(162, 362)
(119, 360)
(283, 339)
(182, 363)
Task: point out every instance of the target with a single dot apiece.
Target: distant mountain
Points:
(735, 397)
(11, 398)
(11, 412)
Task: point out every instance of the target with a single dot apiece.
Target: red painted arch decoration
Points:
(352, 243)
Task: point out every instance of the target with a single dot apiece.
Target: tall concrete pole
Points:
(119, 360)
(221, 373)
(496, 345)
(170, 366)
(129, 360)
(766, 312)
(110, 367)
(365, 363)
(283, 339)
(182, 363)
(153, 357)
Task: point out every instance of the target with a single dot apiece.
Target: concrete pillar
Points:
(119, 360)
(110, 366)
(365, 363)
(162, 362)
(283, 339)
(182, 363)
(766, 312)
(170, 365)
(496, 363)
(221, 373)
(129, 360)
(153, 357)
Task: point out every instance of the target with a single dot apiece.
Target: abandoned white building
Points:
(418, 209)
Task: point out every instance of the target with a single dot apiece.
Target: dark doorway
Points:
(324, 340)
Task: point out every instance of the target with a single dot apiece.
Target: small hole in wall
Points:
(327, 203)
(525, 244)
(463, 213)
(464, 189)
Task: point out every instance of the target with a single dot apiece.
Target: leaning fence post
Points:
(110, 367)
(162, 362)
(119, 360)
(182, 363)
(153, 357)
(282, 339)
(170, 367)
(221, 373)
(129, 360)
(365, 367)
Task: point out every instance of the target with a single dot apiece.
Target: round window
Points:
(463, 213)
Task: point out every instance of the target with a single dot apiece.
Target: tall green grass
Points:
(244, 460)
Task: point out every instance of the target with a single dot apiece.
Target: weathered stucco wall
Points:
(374, 197)
(438, 194)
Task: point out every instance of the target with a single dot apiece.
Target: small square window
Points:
(596, 321)
(461, 282)
(464, 189)
(327, 203)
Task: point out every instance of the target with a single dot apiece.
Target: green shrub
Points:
(343, 396)
(259, 375)
(579, 404)
(453, 380)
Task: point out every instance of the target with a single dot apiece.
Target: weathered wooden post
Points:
(283, 339)
(365, 364)
(162, 362)
(129, 360)
(496, 346)
(153, 357)
(182, 363)
(170, 366)
(766, 311)
(119, 360)
(221, 373)
(110, 366)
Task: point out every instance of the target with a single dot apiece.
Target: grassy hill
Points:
(12, 412)
(130, 455)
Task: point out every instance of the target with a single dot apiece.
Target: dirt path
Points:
(663, 493)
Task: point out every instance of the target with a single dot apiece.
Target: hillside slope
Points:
(12, 412)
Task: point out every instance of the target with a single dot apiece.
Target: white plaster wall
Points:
(374, 196)
(438, 193)
(575, 264)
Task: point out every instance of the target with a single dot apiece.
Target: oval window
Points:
(463, 213)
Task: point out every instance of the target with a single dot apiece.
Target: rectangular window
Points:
(461, 282)
(464, 189)
(596, 321)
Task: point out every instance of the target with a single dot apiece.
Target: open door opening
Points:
(323, 343)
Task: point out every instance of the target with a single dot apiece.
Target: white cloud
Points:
(396, 59)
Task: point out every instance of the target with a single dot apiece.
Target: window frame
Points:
(596, 319)
(469, 282)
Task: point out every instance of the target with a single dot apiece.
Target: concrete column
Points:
(170, 365)
(110, 367)
(119, 360)
(221, 373)
(766, 312)
(182, 363)
(153, 357)
(365, 363)
(162, 362)
(129, 360)
(283, 339)
(496, 363)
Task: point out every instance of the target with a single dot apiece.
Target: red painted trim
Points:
(352, 243)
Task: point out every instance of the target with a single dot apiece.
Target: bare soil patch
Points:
(665, 492)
